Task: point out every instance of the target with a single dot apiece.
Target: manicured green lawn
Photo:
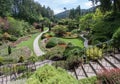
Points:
(29, 42)
(74, 41)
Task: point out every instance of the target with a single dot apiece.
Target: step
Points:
(105, 64)
(117, 56)
(72, 73)
(88, 70)
(115, 62)
(96, 66)
(80, 73)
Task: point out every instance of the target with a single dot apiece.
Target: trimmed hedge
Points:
(52, 42)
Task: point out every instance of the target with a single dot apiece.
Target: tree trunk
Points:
(114, 6)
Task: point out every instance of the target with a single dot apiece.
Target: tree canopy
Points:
(28, 10)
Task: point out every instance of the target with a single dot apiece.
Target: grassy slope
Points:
(76, 41)
(28, 43)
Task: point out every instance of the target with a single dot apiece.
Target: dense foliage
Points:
(94, 53)
(52, 42)
(101, 26)
(11, 28)
(116, 38)
(60, 30)
(111, 5)
(51, 75)
(28, 10)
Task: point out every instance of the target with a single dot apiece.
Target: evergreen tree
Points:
(5, 7)
(72, 13)
(28, 10)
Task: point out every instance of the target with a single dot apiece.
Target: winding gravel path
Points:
(85, 42)
(36, 47)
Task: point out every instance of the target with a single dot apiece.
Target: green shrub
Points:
(61, 42)
(21, 68)
(51, 43)
(62, 64)
(73, 61)
(60, 30)
(91, 80)
(32, 59)
(0, 43)
(9, 50)
(75, 31)
(21, 59)
(116, 38)
(50, 75)
(49, 34)
(13, 38)
(72, 51)
(94, 53)
(1, 60)
(55, 53)
(18, 28)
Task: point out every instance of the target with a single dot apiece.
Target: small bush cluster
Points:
(47, 35)
(94, 53)
(72, 57)
(109, 77)
(60, 30)
(56, 54)
(61, 42)
(52, 42)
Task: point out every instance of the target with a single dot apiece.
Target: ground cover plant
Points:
(50, 75)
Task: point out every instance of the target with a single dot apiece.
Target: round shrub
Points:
(51, 43)
(55, 53)
(50, 75)
(61, 42)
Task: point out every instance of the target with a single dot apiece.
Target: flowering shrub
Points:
(109, 77)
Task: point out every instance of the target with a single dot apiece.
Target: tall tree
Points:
(5, 7)
(106, 4)
(72, 13)
(78, 11)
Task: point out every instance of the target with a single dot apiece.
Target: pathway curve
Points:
(85, 41)
(36, 47)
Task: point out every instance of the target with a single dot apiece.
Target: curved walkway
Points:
(85, 41)
(36, 47)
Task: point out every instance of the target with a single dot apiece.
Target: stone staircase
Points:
(83, 71)
(93, 68)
